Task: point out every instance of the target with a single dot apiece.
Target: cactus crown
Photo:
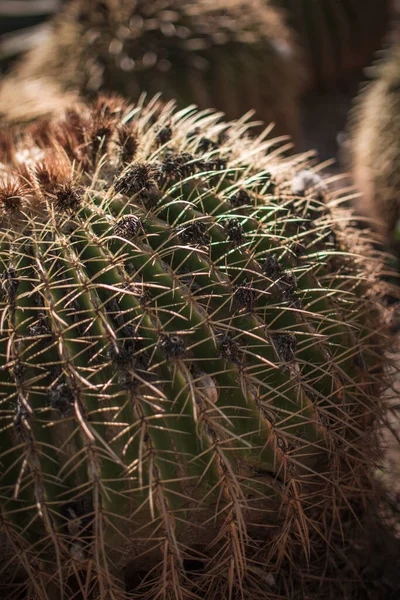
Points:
(191, 344)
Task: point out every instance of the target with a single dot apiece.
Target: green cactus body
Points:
(373, 147)
(233, 55)
(339, 36)
(191, 360)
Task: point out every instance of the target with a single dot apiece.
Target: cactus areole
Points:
(191, 343)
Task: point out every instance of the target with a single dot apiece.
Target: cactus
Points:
(234, 55)
(373, 147)
(191, 361)
(339, 36)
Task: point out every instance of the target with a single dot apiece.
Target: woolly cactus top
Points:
(191, 343)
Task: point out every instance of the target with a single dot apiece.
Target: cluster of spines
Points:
(173, 311)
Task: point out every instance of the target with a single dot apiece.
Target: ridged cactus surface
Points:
(232, 55)
(374, 146)
(339, 36)
(191, 359)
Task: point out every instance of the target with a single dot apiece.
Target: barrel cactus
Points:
(191, 361)
(339, 36)
(373, 146)
(233, 55)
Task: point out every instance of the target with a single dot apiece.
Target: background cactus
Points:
(374, 147)
(339, 36)
(191, 357)
(234, 55)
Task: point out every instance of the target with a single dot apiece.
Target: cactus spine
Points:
(191, 359)
(233, 55)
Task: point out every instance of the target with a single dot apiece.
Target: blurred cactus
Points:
(191, 359)
(374, 146)
(234, 55)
